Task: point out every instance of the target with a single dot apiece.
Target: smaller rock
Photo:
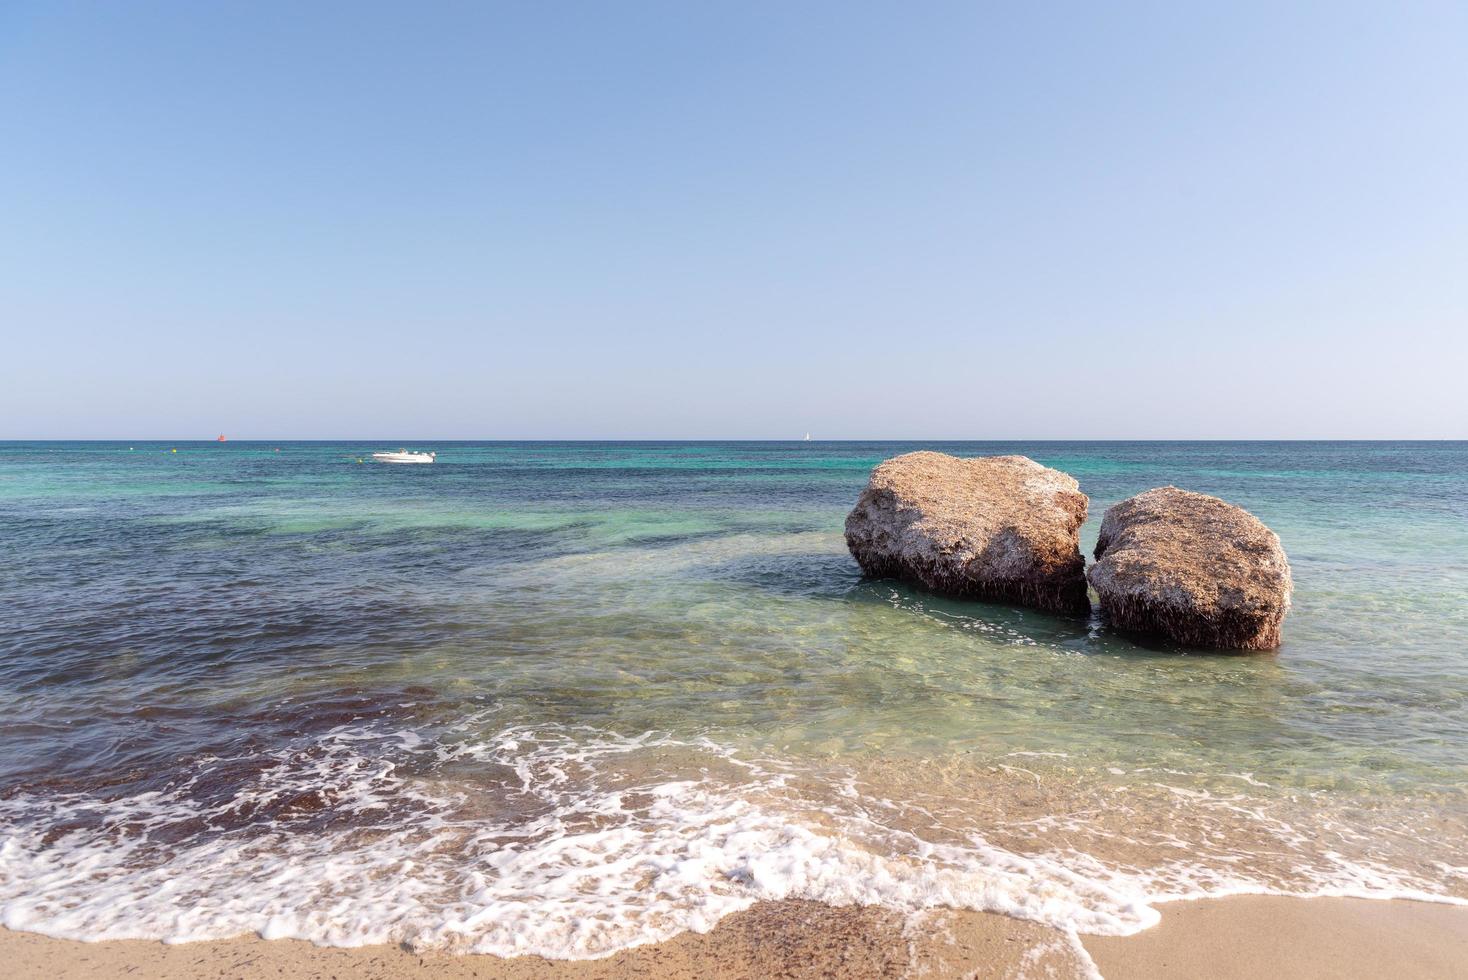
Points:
(1193, 569)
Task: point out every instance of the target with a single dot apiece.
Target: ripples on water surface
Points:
(564, 698)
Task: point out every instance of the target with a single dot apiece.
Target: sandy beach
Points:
(1248, 936)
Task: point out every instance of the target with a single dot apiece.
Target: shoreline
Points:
(1236, 936)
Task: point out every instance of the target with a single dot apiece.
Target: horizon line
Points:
(745, 439)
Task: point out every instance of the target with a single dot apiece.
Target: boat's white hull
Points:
(402, 457)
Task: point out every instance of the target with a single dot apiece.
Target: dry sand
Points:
(1233, 937)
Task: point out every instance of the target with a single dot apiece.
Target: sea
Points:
(566, 698)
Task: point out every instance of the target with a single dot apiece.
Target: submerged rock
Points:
(1002, 528)
(1192, 568)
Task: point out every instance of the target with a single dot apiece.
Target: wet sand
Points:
(1233, 937)
(1257, 936)
(771, 939)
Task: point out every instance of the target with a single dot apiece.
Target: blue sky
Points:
(711, 220)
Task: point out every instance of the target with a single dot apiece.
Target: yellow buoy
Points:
(173, 450)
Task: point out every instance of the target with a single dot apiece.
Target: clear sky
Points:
(726, 220)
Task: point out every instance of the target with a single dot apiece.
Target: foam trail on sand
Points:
(567, 843)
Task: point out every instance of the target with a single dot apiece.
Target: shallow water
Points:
(565, 697)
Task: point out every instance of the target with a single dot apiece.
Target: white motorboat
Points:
(404, 456)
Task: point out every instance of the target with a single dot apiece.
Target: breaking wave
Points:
(574, 843)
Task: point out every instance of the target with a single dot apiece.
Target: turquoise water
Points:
(565, 697)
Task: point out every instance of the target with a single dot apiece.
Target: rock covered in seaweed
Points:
(1001, 528)
(1192, 568)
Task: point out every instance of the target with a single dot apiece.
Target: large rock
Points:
(1193, 569)
(1002, 528)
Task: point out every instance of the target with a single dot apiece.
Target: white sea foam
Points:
(568, 844)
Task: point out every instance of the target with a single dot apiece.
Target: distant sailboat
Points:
(807, 437)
